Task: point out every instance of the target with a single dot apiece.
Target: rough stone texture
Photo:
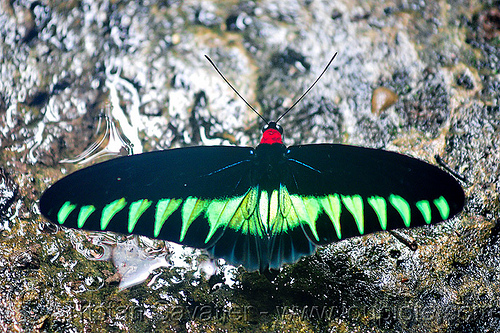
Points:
(442, 60)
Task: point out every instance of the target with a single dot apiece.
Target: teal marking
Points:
(425, 208)
(137, 208)
(164, 208)
(64, 212)
(442, 206)
(110, 210)
(403, 208)
(332, 207)
(84, 214)
(379, 205)
(354, 204)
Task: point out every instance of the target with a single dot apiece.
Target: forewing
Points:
(352, 190)
(180, 195)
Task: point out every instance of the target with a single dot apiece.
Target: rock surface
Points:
(64, 61)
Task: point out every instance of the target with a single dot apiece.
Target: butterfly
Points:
(260, 207)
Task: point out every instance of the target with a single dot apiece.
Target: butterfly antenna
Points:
(234, 89)
(312, 85)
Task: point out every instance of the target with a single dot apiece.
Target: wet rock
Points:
(464, 80)
(8, 193)
(489, 22)
(25, 260)
(440, 59)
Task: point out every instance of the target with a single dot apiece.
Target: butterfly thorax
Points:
(269, 163)
(269, 158)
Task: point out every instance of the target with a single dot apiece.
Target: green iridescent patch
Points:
(137, 208)
(354, 204)
(331, 205)
(403, 208)
(379, 205)
(425, 208)
(164, 208)
(273, 208)
(111, 210)
(245, 218)
(249, 203)
(191, 209)
(284, 217)
(219, 213)
(263, 208)
(84, 214)
(307, 210)
(442, 206)
(64, 212)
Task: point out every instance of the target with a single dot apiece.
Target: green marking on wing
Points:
(332, 207)
(402, 206)
(425, 208)
(238, 213)
(379, 205)
(264, 208)
(164, 208)
(191, 209)
(354, 204)
(220, 213)
(246, 218)
(84, 214)
(285, 203)
(307, 210)
(278, 210)
(137, 208)
(64, 212)
(110, 210)
(274, 209)
(442, 206)
(284, 218)
(249, 203)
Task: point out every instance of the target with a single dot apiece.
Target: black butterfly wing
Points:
(171, 194)
(341, 191)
